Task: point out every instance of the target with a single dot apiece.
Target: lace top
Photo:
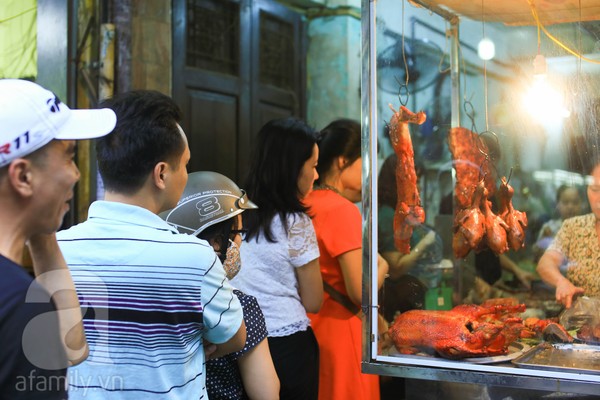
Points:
(268, 273)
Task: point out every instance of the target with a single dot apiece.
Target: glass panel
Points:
(467, 220)
(213, 35)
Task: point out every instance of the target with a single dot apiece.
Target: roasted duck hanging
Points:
(408, 207)
(515, 220)
(469, 225)
(475, 187)
(469, 159)
(495, 228)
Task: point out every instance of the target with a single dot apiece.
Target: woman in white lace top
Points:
(280, 255)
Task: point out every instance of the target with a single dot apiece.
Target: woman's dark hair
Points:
(592, 162)
(146, 133)
(340, 138)
(219, 233)
(281, 149)
(562, 188)
(387, 193)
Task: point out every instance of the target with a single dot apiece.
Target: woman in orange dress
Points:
(338, 225)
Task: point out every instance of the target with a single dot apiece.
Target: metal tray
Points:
(577, 358)
(515, 350)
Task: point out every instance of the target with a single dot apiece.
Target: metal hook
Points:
(481, 173)
(490, 155)
(509, 175)
(403, 92)
(470, 112)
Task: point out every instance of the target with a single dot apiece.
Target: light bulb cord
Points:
(553, 38)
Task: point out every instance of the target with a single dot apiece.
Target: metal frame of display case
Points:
(422, 367)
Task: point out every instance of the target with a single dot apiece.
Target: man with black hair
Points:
(154, 295)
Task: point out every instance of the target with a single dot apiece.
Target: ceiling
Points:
(518, 12)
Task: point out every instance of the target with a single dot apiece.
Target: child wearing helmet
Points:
(210, 208)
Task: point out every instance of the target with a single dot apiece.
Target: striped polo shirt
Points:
(150, 295)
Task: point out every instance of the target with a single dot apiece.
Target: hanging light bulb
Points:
(486, 49)
(543, 101)
(539, 66)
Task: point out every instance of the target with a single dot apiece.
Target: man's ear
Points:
(20, 176)
(160, 175)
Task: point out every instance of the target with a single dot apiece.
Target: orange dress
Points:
(338, 225)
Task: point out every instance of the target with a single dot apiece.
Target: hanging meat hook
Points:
(490, 151)
(470, 112)
(485, 149)
(403, 92)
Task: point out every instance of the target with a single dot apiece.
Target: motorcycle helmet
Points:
(208, 198)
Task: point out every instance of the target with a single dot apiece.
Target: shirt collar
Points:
(127, 214)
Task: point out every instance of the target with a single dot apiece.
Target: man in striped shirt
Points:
(153, 295)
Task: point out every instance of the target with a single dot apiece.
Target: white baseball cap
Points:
(31, 116)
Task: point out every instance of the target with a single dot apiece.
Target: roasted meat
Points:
(589, 332)
(474, 190)
(408, 207)
(465, 331)
(495, 229)
(470, 164)
(469, 225)
(515, 220)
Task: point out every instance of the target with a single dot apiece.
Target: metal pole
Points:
(369, 157)
(455, 72)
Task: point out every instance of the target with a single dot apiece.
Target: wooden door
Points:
(236, 65)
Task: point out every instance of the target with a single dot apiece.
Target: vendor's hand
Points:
(566, 292)
(525, 277)
(427, 240)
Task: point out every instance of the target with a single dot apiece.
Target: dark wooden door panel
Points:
(272, 111)
(213, 131)
(278, 80)
(218, 82)
(236, 65)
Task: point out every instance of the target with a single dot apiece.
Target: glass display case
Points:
(463, 200)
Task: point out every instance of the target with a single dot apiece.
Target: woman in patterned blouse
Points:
(577, 242)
